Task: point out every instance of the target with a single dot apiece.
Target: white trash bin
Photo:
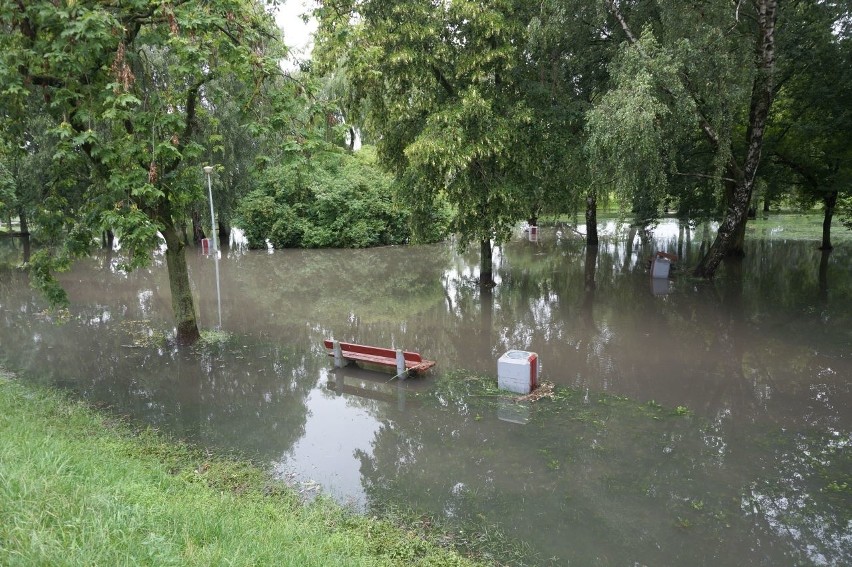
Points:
(661, 264)
(517, 371)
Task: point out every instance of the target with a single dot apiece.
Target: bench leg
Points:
(400, 365)
(339, 361)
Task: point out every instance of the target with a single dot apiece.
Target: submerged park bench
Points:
(405, 362)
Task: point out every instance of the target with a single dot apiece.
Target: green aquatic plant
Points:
(215, 337)
(143, 334)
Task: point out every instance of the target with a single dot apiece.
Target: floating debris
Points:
(142, 334)
(55, 316)
(545, 390)
(309, 486)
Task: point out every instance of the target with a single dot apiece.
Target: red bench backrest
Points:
(374, 351)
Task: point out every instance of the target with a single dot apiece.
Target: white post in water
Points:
(400, 364)
(338, 355)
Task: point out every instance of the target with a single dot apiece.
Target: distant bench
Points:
(403, 361)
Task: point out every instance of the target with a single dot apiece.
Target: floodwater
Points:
(694, 423)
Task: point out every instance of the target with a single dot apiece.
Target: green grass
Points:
(796, 226)
(787, 224)
(80, 488)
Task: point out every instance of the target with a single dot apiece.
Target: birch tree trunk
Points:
(733, 224)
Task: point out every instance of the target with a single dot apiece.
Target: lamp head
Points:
(208, 169)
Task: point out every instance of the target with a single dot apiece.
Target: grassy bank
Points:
(80, 488)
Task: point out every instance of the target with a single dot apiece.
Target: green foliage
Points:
(288, 230)
(670, 128)
(41, 267)
(435, 86)
(845, 208)
(563, 70)
(137, 232)
(809, 149)
(353, 206)
(255, 215)
(7, 190)
(630, 129)
(337, 199)
(117, 93)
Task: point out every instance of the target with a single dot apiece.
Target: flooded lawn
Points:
(690, 423)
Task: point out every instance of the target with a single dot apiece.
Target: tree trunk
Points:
(730, 232)
(830, 201)
(182, 303)
(628, 249)
(590, 268)
(486, 265)
(107, 239)
(486, 319)
(592, 218)
(732, 227)
(589, 284)
(351, 147)
(27, 250)
(823, 276)
(737, 247)
(224, 235)
(181, 230)
(197, 230)
(22, 217)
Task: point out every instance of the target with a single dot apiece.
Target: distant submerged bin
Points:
(533, 233)
(660, 286)
(660, 266)
(517, 371)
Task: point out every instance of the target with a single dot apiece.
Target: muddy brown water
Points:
(696, 423)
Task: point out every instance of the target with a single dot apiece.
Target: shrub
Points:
(256, 215)
(288, 228)
(336, 200)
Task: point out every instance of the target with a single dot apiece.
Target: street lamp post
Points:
(208, 170)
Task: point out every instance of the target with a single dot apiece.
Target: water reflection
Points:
(604, 480)
(758, 361)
